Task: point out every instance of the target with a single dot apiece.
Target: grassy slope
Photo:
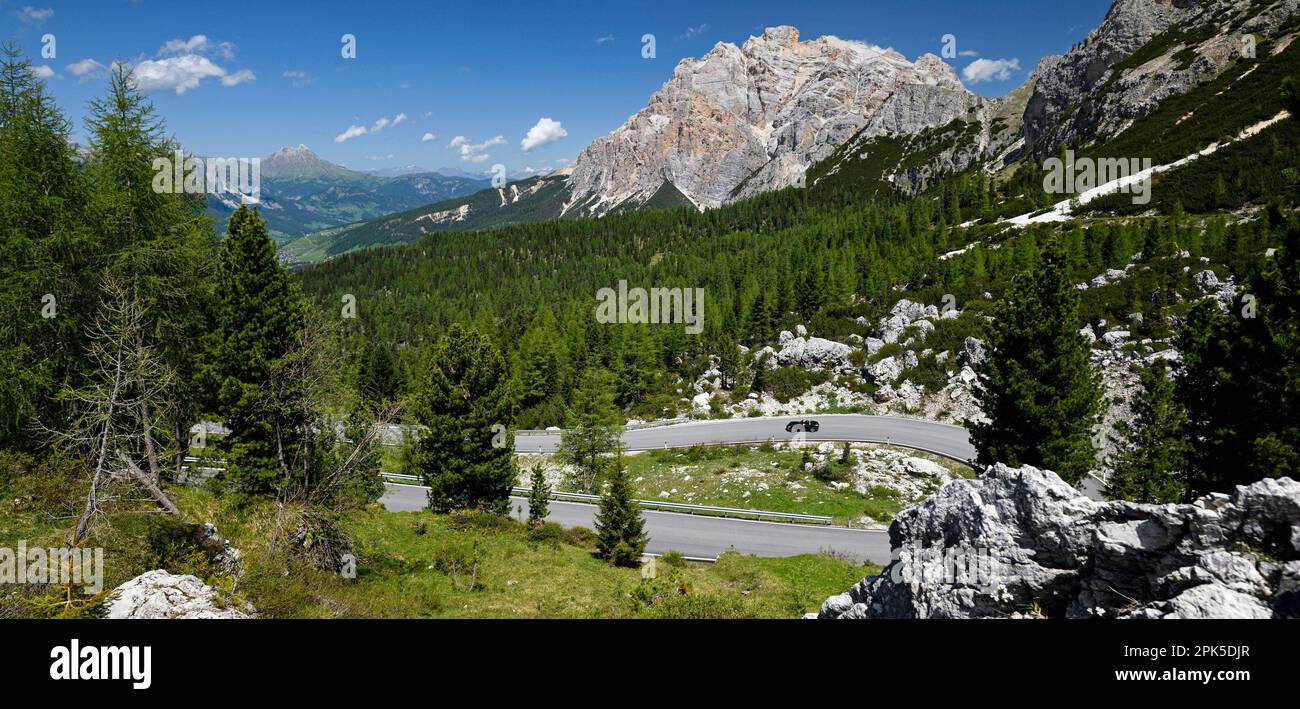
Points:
(486, 212)
(416, 565)
(760, 477)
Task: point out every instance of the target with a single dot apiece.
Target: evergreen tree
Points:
(466, 452)
(44, 253)
(539, 497)
(157, 240)
(1037, 386)
(258, 320)
(377, 379)
(1240, 383)
(593, 431)
(620, 529)
(1151, 459)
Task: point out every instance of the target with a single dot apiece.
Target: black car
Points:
(805, 425)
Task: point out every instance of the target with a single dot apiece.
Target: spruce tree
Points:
(539, 497)
(620, 529)
(258, 320)
(1240, 380)
(1037, 386)
(45, 251)
(1151, 457)
(377, 378)
(466, 453)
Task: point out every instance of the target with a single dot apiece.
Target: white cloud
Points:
(198, 44)
(427, 137)
(968, 53)
(606, 38)
(546, 131)
(380, 157)
(472, 152)
(42, 72)
(693, 31)
(87, 70)
(382, 123)
(982, 70)
(183, 73)
(242, 76)
(351, 132)
(32, 16)
(298, 78)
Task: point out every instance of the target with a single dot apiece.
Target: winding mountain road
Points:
(702, 536)
(939, 438)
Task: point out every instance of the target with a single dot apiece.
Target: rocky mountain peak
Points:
(301, 163)
(743, 120)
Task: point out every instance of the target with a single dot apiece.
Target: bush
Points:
(785, 383)
(674, 559)
(457, 560)
(480, 520)
(548, 533)
(581, 537)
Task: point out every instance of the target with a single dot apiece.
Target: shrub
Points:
(581, 537)
(548, 533)
(480, 520)
(674, 559)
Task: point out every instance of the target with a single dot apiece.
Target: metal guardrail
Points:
(626, 427)
(653, 504)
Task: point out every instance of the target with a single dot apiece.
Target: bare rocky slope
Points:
(748, 119)
(1020, 542)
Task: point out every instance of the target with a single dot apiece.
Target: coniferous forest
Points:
(165, 364)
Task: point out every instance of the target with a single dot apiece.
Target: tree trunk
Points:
(147, 482)
(101, 462)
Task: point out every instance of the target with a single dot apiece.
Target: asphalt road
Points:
(939, 438)
(697, 535)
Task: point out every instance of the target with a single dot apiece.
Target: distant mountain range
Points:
(779, 112)
(302, 193)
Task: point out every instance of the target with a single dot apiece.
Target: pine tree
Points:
(1151, 457)
(466, 452)
(1037, 386)
(258, 319)
(539, 497)
(620, 529)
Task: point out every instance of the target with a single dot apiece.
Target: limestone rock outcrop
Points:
(1020, 542)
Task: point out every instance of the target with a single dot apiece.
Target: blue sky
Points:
(241, 79)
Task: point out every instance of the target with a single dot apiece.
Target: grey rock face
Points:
(743, 120)
(1074, 81)
(1033, 545)
(812, 351)
(158, 594)
(972, 352)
